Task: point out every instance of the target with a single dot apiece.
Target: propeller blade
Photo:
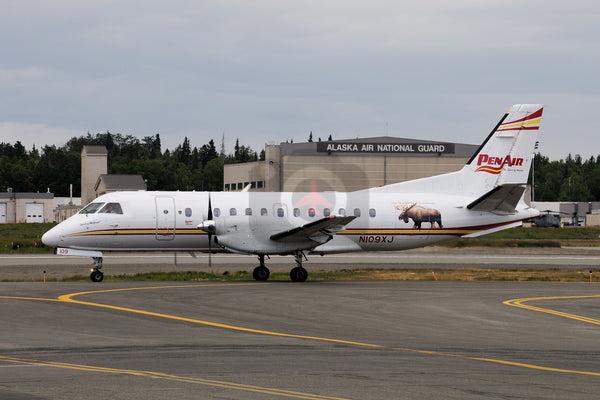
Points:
(210, 217)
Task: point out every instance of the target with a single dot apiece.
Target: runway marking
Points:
(69, 299)
(519, 303)
(160, 375)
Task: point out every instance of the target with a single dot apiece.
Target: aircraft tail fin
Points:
(496, 175)
(507, 152)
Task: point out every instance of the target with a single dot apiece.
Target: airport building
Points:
(346, 165)
(25, 207)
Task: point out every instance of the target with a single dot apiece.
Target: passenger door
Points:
(165, 218)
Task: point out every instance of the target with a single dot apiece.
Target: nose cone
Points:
(52, 237)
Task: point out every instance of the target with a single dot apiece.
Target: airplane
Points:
(485, 196)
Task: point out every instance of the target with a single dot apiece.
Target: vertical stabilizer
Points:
(505, 156)
(496, 175)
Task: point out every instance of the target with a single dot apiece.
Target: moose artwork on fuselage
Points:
(419, 215)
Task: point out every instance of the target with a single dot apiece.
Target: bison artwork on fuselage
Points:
(419, 214)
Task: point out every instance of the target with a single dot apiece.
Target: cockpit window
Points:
(91, 208)
(112, 208)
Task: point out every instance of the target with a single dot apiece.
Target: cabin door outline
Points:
(165, 218)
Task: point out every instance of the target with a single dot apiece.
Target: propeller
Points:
(208, 226)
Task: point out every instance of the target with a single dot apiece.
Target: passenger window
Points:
(280, 212)
(311, 212)
(357, 212)
(342, 212)
(372, 212)
(188, 212)
(248, 211)
(326, 212)
(91, 208)
(296, 212)
(232, 212)
(263, 212)
(216, 212)
(112, 208)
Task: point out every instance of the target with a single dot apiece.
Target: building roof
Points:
(25, 195)
(121, 182)
(94, 150)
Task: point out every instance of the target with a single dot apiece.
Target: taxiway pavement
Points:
(315, 340)
(32, 266)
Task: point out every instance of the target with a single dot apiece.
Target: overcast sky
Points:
(271, 71)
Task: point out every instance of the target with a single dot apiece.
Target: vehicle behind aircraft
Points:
(485, 196)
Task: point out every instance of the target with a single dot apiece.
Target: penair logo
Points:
(494, 165)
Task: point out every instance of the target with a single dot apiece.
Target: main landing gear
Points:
(261, 273)
(297, 274)
(97, 275)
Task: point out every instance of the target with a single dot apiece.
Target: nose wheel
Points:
(97, 275)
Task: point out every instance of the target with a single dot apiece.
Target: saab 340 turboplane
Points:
(485, 196)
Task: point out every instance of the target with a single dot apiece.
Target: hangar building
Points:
(346, 165)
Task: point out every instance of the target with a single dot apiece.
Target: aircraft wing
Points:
(501, 198)
(320, 231)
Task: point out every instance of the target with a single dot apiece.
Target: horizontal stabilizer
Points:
(320, 231)
(502, 198)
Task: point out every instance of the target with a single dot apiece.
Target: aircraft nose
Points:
(52, 237)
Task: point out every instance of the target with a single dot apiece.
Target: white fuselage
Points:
(169, 221)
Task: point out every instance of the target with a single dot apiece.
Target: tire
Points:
(96, 276)
(261, 273)
(298, 274)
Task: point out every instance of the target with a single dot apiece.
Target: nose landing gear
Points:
(97, 275)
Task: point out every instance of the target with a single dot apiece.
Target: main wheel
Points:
(261, 273)
(96, 276)
(298, 274)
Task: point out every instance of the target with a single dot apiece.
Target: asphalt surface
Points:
(315, 340)
(32, 266)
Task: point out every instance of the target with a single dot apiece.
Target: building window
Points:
(296, 212)
(216, 212)
(227, 187)
(326, 212)
(372, 212)
(259, 184)
(357, 212)
(232, 212)
(248, 211)
(240, 185)
(311, 212)
(264, 212)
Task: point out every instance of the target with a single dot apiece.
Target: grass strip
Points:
(461, 274)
